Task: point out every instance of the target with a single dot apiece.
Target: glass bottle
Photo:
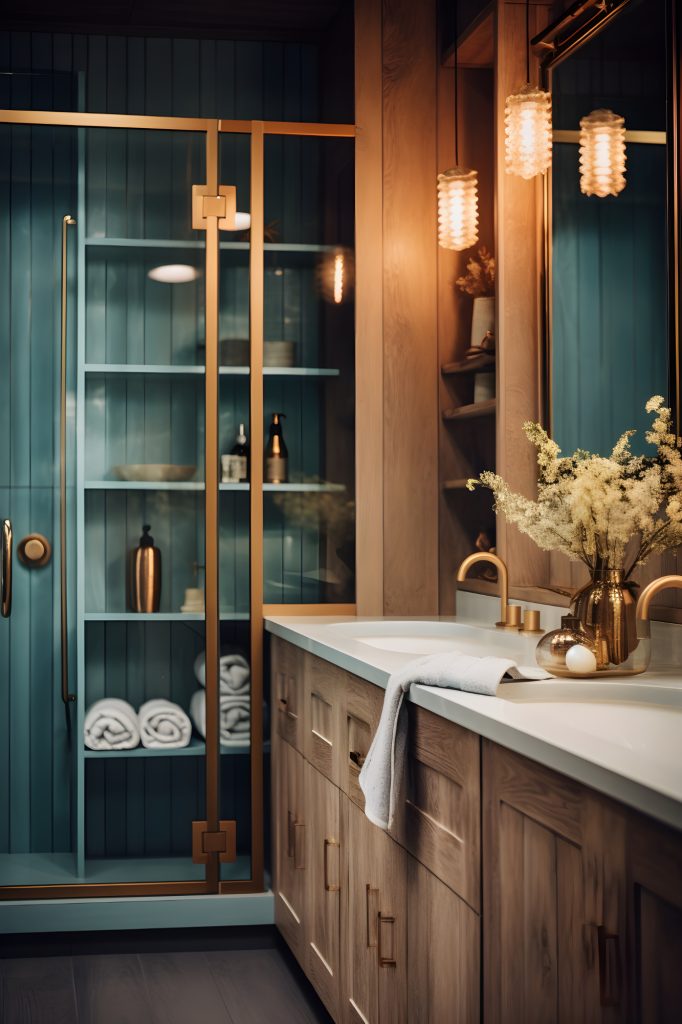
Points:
(241, 450)
(276, 454)
(553, 647)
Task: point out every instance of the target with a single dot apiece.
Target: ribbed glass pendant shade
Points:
(528, 132)
(602, 154)
(458, 208)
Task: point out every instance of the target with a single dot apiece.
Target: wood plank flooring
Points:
(251, 986)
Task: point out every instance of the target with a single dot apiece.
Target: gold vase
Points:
(606, 606)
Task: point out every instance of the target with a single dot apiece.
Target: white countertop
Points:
(622, 737)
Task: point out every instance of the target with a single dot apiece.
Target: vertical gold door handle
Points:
(6, 608)
(386, 922)
(329, 886)
(67, 220)
(372, 911)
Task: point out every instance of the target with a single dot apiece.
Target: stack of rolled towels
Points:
(113, 724)
(234, 700)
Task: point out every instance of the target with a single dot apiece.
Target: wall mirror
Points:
(611, 310)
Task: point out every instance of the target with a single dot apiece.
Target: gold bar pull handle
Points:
(372, 907)
(299, 845)
(67, 220)
(329, 886)
(610, 980)
(386, 922)
(6, 608)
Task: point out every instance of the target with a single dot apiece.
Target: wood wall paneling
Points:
(410, 71)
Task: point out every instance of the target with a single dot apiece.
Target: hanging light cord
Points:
(528, 41)
(454, 14)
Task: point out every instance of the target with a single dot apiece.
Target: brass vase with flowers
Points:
(609, 512)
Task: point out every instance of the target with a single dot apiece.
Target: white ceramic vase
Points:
(482, 318)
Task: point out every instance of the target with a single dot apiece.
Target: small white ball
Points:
(581, 660)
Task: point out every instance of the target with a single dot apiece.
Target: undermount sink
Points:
(592, 691)
(424, 636)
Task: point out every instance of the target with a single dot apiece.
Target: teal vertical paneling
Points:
(610, 324)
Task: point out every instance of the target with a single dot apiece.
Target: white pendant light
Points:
(528, 125)
(458, 209)
(457, 191)
(602, 154)
(528, 132)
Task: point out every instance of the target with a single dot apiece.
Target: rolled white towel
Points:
(235, 717)
(235, 674)
(111, 724)
(163, 724)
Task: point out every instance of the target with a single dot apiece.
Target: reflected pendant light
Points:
(457, 192)
(528, 125)
(335, 275)
(602, 154)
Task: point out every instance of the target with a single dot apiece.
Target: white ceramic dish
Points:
(155, 472)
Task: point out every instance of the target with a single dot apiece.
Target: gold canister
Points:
(144, 576)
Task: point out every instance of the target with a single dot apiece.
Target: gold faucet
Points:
(646, 597)
(503, 575)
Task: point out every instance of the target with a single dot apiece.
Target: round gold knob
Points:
(34, 549)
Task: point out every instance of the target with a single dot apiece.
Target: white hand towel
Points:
(163, 724)
(235, 674)
(111, 724)
(235, 717)
(382, 772)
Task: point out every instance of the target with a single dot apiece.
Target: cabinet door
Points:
(325, 705)
(376, 939)
(363, 711)
(439, 821)
(325, 888)
(287, 692)
(289, 832)
(655, 941)
(553, 895)
(443, 943)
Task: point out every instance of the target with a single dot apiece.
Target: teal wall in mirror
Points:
(610, 331)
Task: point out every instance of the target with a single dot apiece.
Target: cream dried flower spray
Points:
(603, 511)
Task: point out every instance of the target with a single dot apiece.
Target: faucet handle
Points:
(531, 621)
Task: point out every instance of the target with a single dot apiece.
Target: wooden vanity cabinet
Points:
(654, 962)
(554, 900)
(323, 745)
(290, 857)
(375, 926)
(287, 692)
(326, 887)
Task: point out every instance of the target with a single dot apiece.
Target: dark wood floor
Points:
(251, 986)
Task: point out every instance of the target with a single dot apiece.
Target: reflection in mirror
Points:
(610, 334)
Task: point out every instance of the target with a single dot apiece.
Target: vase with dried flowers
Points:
(479, 282)
(609, 512)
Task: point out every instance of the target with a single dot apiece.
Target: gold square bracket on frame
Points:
(223, 206)
(223, 842)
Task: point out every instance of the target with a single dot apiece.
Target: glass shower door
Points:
(88, 461)
(38, 189)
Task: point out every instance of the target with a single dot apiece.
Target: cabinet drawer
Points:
(439, 819)
(363, 710)
(288, 703)
(325, 697)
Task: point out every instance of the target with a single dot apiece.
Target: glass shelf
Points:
(144, 485)
(161, 617)
(106, 369)
(195, 748)
(173, 243)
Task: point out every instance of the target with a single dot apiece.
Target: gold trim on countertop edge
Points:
(256, 300)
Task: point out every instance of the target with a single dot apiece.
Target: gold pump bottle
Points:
(144, 581)
(276, 454)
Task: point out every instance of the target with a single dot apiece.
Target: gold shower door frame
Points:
(212, 128)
